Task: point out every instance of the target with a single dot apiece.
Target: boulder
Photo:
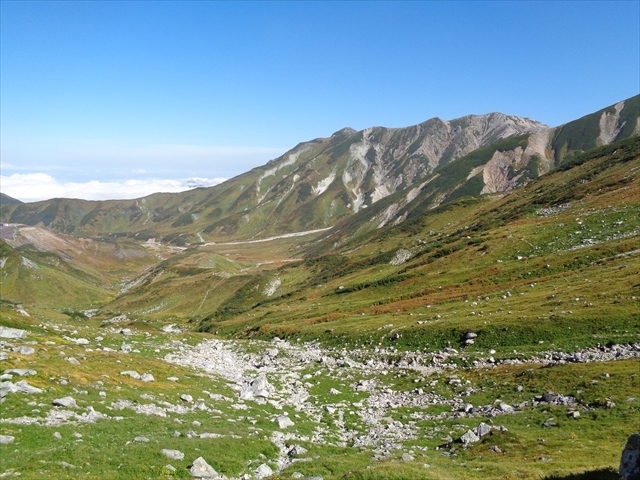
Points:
(24, 350)
(173, 454)
(630, 459)
(21, 372)
(482, 430)
(65, 402)
(263, 471)
(201, 469)
(469, 437)
(16, 333)
(284, 421)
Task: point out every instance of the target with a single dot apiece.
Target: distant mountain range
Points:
(378, 174)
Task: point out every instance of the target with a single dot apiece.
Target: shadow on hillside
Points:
(601, 474)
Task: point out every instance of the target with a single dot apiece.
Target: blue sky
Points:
(118, 99)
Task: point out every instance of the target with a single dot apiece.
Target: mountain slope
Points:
(7, 200)
(565, 247)
(323, 182)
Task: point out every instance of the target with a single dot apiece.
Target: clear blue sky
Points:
(145, 91)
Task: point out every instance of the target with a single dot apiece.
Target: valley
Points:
(475, 314)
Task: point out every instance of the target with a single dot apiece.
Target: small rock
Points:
(173, 379)
(6, 439)
(170, 468)
(72, 361)
(482, 430)
(284, 421)
(333, 391)
(469, 437)
(141, 440)
(21, 372)
(173, 454)
(496, 449)
(186, 398)
(65, 402)
(23, 350)
(77, 435)
(297, 451)
(8, 332)
(549, 397)
(505, 408)
(550, 422)
(57, 435)
(132, 373)
(147, 377)
(573, 414)
(201, 469)
(470, 336)
(263, 471)
(406, 457)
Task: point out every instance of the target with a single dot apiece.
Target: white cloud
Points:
(33, 187)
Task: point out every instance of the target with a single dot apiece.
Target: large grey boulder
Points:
(630, 460)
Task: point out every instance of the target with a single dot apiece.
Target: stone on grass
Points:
(65, 402)
(284, 421)
(131, 373)
(407, 457)
(506, 408)
(469, 437)
(23, 387)
(23, 350)
(147, 377)
(550, 422)
(186, 398)
(482, 430)
(21, 372)
(630, 459)
(8, 332)
(297, 451)
(201, 469)
(141, 439)
(72, 361)
(263, 471)
(6, 439)
(173, 454)
(57, 435)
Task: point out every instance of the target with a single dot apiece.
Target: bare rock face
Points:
(630, 460)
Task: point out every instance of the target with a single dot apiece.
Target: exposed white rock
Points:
(201, 469)
(173, 454)
(65, 402)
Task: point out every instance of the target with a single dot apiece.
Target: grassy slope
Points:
(575, 266)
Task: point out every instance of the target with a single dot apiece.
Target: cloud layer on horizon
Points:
(33, 187)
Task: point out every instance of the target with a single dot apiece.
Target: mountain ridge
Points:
(323, 181)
